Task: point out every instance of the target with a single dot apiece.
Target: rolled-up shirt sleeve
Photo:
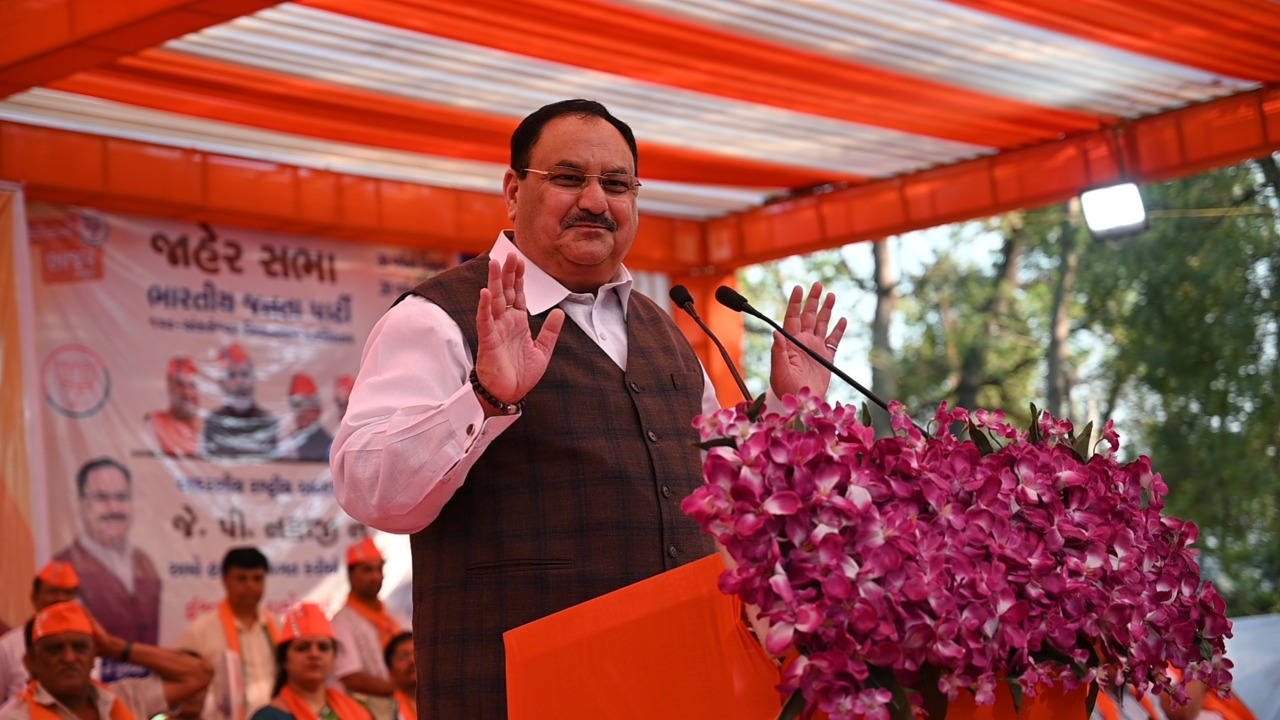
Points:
(413, 427)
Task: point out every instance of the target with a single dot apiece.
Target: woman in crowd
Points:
(404, 675)
(305, 656)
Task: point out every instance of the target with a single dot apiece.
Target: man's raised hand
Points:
(809, 320)
(509, 360)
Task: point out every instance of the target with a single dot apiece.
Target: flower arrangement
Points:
(908, 569)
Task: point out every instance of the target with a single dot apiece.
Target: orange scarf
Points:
(232, 633)
(387, 627)
(235, 658)
(408, 706)
(43, 712)
(342, 705)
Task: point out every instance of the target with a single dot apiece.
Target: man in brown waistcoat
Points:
(534, 482)
(119, 582)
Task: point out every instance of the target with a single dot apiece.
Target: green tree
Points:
(975, 325)
(1190, 314)
(1175, 334)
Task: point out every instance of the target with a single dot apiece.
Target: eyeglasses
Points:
(573, 180)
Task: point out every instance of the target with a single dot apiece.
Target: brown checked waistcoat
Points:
(579, 497)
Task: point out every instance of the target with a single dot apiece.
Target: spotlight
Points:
(1114, 212)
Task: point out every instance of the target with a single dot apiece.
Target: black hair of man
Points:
(530, 129)
(28, 631)
(82, 476)
(390, 651)
(245, 557)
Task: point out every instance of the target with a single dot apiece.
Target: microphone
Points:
(683, 300)
(734, 300)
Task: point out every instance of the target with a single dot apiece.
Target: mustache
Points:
(114, 517)
(589, 218)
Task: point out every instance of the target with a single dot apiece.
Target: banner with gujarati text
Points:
(191, 378)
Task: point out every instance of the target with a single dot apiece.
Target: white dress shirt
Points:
(256, 665)
(414, 427)
(13, 674)
(144, 697)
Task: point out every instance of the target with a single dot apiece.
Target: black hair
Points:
(530, 129)
(282, 675)
(390, 651)
(28, 630)
(82, 476)
(245, 557)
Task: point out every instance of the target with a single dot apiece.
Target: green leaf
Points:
(864, 415)
(935, 701)
(899, 704)
(1034, 431)
(793, 707)
(1016, 691)
(1206, 649)
(1082, 446)
(980, 439)
(757, 407)
(716, 442)
(1092, 700)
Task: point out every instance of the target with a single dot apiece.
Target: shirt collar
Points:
(101, 698)
(261, 621)
(102, 552)
(543, 292)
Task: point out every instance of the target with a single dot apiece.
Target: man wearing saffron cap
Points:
(308, 440)
(240, 428)
(63, 640)
(177, 430)
(125, 586)
(364, 627)
(238, 638)
(56, 582)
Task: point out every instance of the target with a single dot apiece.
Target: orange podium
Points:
(671, 647)
(675, 647)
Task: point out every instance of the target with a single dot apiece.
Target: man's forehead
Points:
(64, 638)
(572, 141)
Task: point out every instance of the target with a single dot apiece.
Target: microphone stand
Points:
(733, 300)
(681, 297)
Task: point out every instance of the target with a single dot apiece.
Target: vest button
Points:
(666, 491)
(634, 387)
(653, 436)
(672, 551)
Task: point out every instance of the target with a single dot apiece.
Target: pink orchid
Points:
(911, 552)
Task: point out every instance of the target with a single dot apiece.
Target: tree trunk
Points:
(884, 379)
(973, 365)
(1058, 392)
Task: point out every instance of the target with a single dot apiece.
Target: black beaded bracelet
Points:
(503, 407)
(127, 652)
